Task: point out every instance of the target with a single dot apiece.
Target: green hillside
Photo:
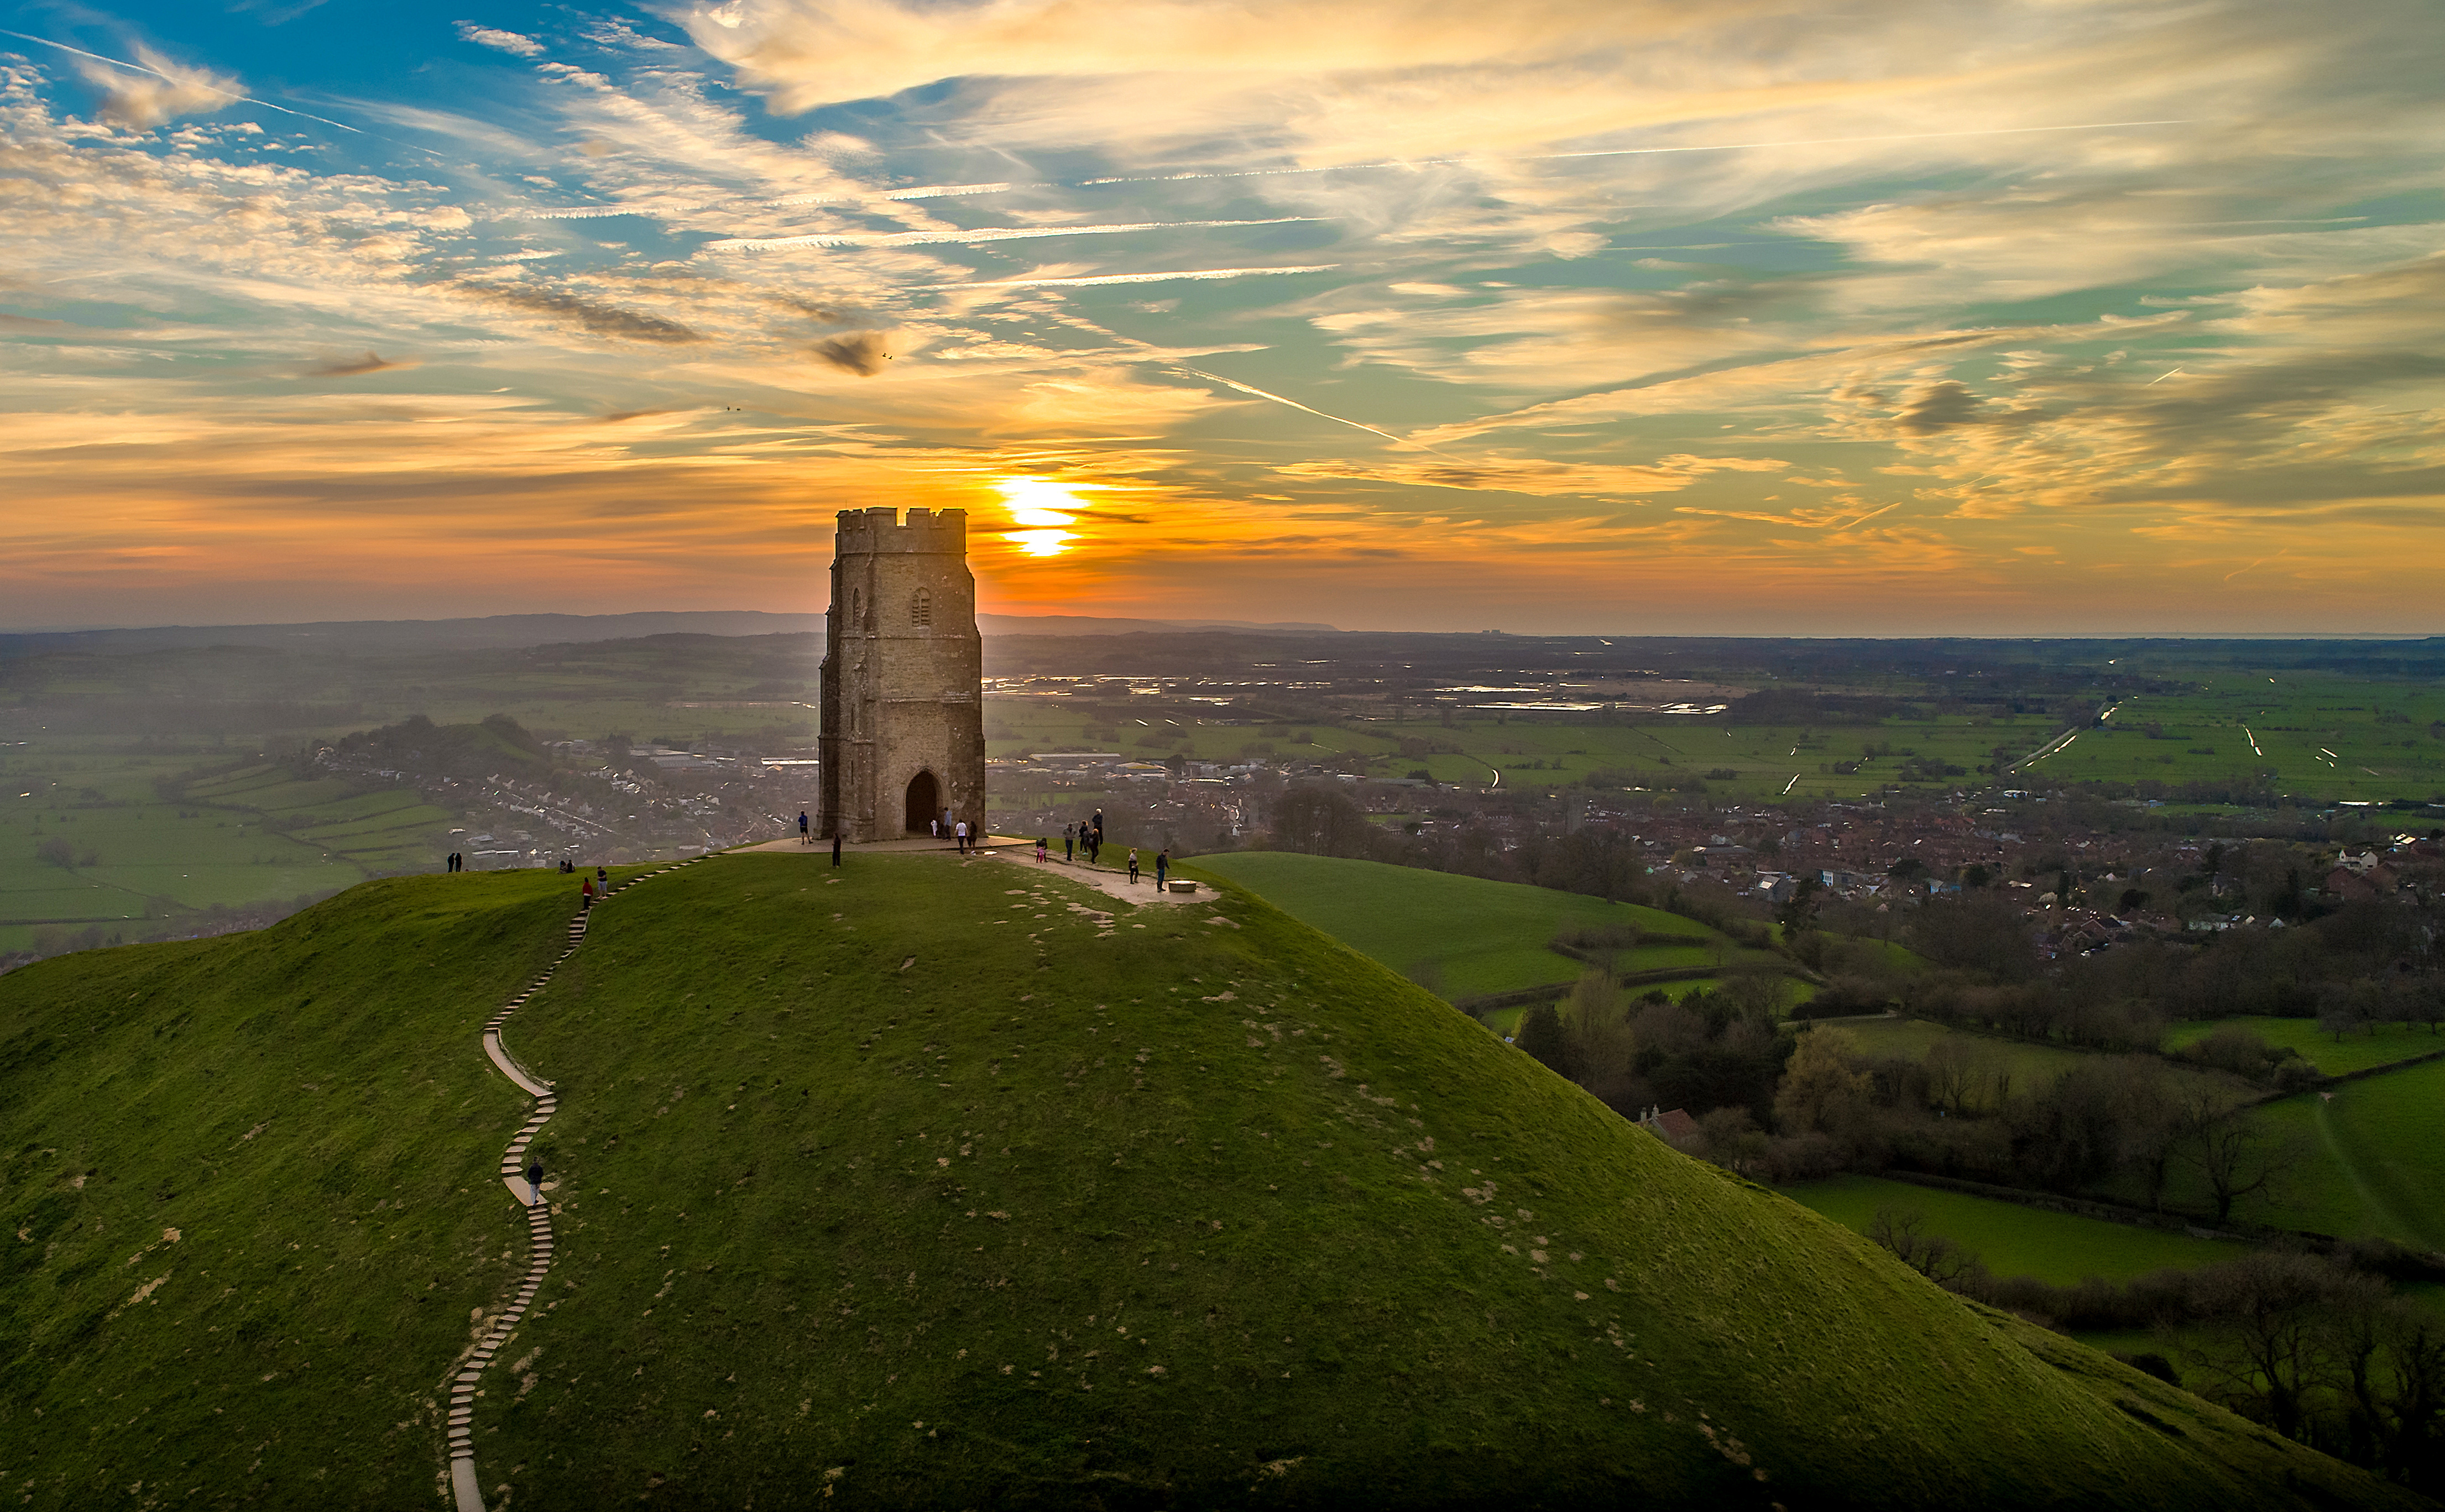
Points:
(938, 1185)
(1481, 935)
(249, 1198)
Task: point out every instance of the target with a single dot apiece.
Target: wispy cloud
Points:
(1105, 280)
(499, 41)
(979, 236)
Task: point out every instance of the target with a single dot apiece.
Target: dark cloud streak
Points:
(360, 366)
(603, 319)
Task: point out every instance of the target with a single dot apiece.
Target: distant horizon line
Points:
(1307, 627)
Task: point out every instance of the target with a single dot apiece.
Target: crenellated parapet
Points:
(883, 530)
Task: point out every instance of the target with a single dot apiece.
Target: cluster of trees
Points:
(53, 851)
(2124, 1126)
(2319, 1347)
(2370, 962)
(1788, 1107)
(1723, 1048)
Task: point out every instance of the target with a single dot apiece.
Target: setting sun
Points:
(1046, 507)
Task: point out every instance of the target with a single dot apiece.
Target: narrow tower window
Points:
(921, 609)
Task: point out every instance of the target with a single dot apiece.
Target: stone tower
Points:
(903, 736)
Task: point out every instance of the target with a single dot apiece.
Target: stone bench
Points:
(1183, 886)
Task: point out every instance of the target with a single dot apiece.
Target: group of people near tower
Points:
(1086, 841)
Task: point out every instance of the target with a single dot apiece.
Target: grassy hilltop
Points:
(938, 1186)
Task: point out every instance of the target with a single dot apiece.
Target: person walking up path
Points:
(526, 1183)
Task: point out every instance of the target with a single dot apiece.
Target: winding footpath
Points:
(464, 1487)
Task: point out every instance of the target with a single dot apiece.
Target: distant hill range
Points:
(505, 630)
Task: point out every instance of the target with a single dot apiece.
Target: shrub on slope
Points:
(936, 1186)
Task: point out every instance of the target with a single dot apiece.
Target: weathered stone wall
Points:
(902, 675)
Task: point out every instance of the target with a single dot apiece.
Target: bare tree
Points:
(2238, 1157)
(1903, 1231)
(1951, 1072)
(2414, 1428)
(2266, 1346)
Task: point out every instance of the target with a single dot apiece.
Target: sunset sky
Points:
(1970, 317)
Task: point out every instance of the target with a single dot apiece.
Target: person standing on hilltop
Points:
(586, 894)
(1069, 841)
(1133, 866)
(1162, 866)
(804, 838)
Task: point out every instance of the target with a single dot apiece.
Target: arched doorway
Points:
(925, 803)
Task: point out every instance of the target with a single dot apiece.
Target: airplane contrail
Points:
(1250, 389)
(1865, 518)
(138, 67)
(2161, 378)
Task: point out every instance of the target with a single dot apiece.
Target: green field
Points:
(2369, 1160)
(152, 861)
(1476, 936)
(110, 726)
(1763, 760)
(2374, 1159)
(2337, 737)
(2057, 1248)
(2377, 1045)
(2377, 730)
(939, 1185)
(2031, 1066)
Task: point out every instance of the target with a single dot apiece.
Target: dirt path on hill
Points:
(1000, 848)
(465, 1489)
(1103, 879)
